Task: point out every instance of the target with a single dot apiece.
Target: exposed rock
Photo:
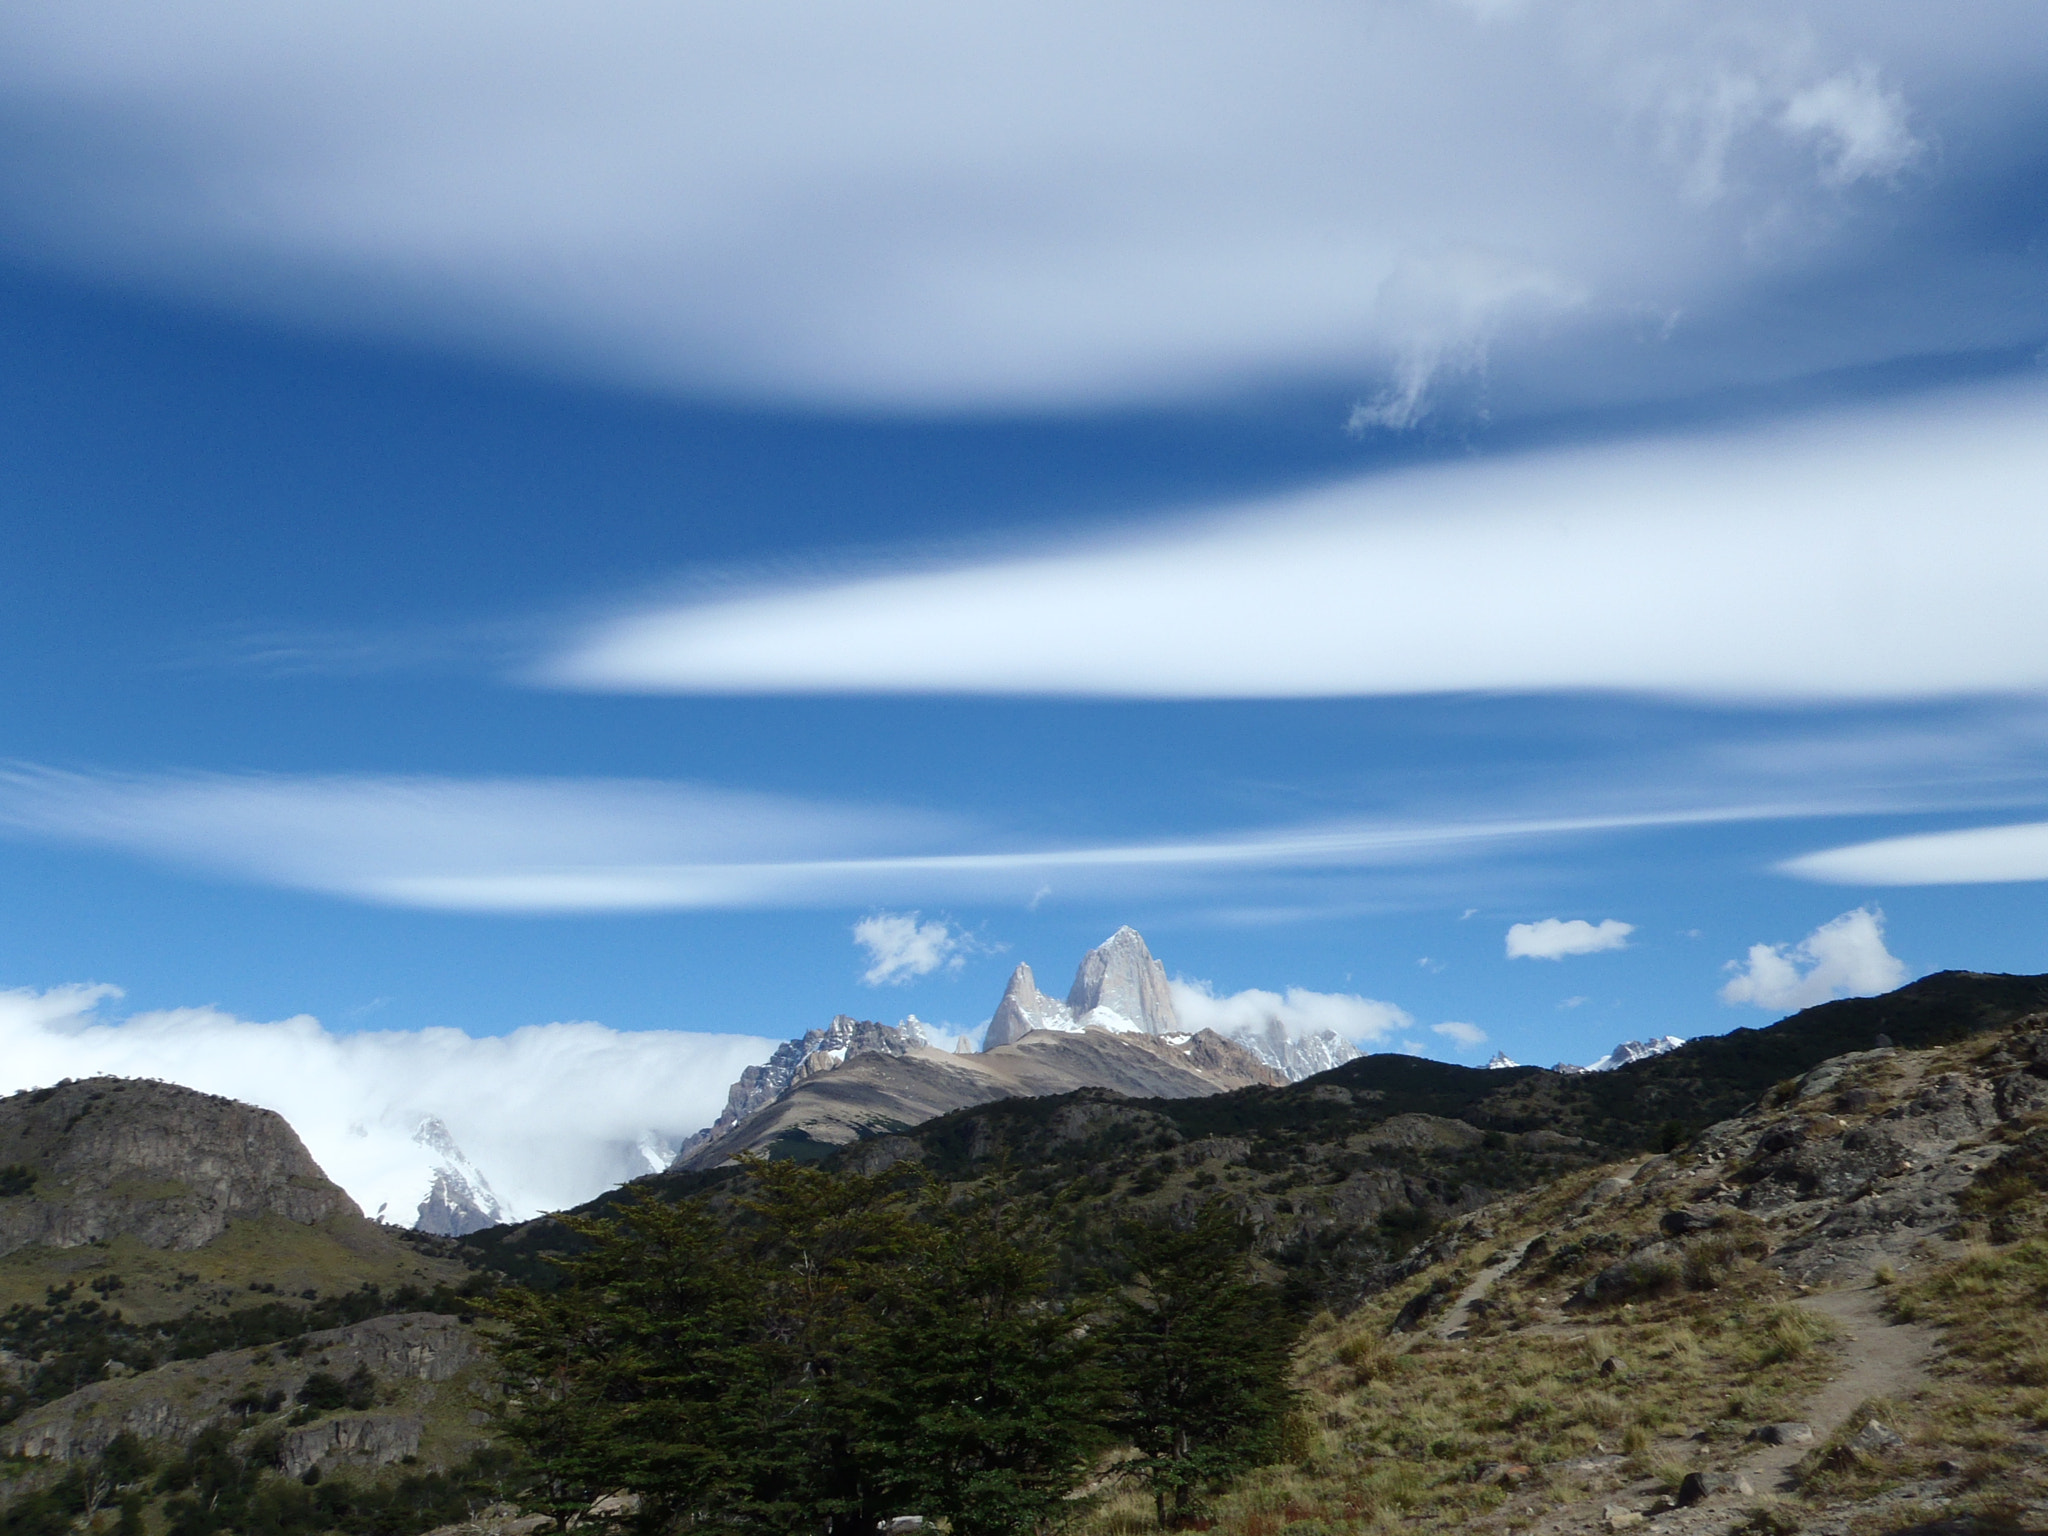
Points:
(1789, 1433)
(354, 1439)
(1698, 1487)
(165, 1165)
(1875, 1439)
(176, 1401)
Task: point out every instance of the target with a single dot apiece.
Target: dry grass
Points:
(1424, 1434)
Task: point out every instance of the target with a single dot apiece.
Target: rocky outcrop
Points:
(174, 1402)
(1119, 987)
(108, 1157)
(355, 1439)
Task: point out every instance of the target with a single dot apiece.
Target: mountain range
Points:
(1116, 1029)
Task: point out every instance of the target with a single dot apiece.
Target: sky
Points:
(547, 549)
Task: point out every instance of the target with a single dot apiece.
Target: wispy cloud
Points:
(552, 1113)
(1552, 938)
(567, 845)
(1888, 553)
(1845, 957)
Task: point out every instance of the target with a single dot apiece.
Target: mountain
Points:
(460, 1199)
(896, 1083)
(887, 1077)
(1119, 987)
(1629, 1051)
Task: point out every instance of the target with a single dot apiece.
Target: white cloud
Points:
(901, 947)
(594, 845)
(552, 1113)
(1362, 1020)
(924, 205)
(1468, 1036)
(1971, 856)
(1861, 125)
(1845, 957)
(1888, 552)
(1552, 938)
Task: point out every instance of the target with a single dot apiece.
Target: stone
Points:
(1612, 1366)
(1875, 1439)
(1788, 1433)
(1618, 1517)
(1686, 1220)
(1698, 1487)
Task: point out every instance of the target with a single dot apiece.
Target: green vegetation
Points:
(837, 1350)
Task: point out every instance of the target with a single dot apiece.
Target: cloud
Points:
(1361, 1020)
(1970, 856)
(596, 845)
(1468, 1036)
(1552, 938)
(552, 1113)
(1889, 552)
(901, 947)
(1845, 957)
(1861, 126)
(922, 206)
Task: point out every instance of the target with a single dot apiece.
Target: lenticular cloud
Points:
(1894, 552)
(552, 1113)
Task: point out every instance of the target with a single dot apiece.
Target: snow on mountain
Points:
(1119, 987)
(1635, 1050)
(1501, 1060)
(459, 1198)
(1625, 1053)
(812, 1052)
(1294, 1056)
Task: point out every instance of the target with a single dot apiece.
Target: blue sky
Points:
(525, 516)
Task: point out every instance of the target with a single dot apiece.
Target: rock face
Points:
(1119, 987)
(408, 1354)
(107, 1157)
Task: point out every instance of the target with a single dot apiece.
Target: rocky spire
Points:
(1121, 977)
(1023, 1009)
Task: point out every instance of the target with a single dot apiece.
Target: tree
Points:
(635, 1373)
(989, 1398)
(1203, 1352)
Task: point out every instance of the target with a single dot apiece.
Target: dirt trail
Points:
(1881, 1358)
(1459, 1318)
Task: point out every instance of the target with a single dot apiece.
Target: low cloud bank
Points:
(1842, 958)
(551, 1113)
(1361, 1020)
(1552, 938)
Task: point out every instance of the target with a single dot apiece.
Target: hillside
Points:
(176, 1266)
(1541, 1299)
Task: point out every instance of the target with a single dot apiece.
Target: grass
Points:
(1418, 1433)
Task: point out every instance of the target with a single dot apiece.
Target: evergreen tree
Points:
(1203, 1352)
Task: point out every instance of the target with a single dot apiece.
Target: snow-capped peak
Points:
(1501, 1059)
